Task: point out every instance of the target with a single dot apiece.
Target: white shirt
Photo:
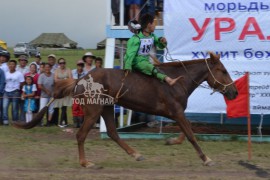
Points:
(4, 67)
(75, 74)
(23, 70)
(13, 81)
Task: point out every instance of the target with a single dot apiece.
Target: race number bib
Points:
(146, 46)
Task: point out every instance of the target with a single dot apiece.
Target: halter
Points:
(215, 80)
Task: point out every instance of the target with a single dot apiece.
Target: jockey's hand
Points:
(163, 40)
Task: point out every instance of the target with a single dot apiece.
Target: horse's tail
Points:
(35, 121)
(61, 89)
(64, 88)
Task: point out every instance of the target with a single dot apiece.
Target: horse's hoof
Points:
(170, 141)
(208, 162)
(140, 158)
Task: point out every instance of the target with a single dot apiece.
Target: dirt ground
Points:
(52, 154)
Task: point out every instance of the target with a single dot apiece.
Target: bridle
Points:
(224, 90)
(225, 86)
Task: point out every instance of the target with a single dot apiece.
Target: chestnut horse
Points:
(144, 93)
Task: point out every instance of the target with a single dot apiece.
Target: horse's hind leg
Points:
(176, 140)
(92, 113)
(186, 128)
(108, 115)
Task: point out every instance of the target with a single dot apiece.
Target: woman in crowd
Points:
(46, 83)
(60, 74)
(88, 59)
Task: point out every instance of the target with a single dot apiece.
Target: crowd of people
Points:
(28, 88)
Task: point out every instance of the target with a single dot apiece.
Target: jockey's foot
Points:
(171, 81)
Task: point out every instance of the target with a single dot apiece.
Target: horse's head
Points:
(219, 78)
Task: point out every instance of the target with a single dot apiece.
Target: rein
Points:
(203, 86)
(118, 95)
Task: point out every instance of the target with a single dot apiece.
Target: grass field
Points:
(50, 153)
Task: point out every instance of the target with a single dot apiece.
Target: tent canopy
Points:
(54, 40)
(3, 44)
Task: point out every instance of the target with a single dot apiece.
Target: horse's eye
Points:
(224, 72)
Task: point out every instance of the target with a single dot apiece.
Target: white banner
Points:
(238, 30)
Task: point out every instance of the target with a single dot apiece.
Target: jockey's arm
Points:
(132, 50)
(161, 42)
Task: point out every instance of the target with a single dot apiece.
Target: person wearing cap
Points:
(79, 72)
(52, 62)
(14, 82)
(88, 59)
(22, 66)
(24, 69)
(4, 58)
(77, 111)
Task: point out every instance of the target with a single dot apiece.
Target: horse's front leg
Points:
(186, 128)
(108, 115)
(91, 115)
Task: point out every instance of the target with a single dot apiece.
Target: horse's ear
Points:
(214, 57)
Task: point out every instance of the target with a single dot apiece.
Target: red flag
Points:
(239, 107)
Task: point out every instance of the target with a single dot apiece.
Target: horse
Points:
(146, 94)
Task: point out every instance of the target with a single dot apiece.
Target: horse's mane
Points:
(178, 63)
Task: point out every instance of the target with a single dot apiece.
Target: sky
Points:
(82, 21)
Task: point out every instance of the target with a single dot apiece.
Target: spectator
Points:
(14, 82)
(77, 111)
(134, 9)
(29, 91)
(33, 73)
(45, 83)
(41, 68)
(2, 87)
(79, 72)
(37, 61)
(88, 59)
(115, 6)
(52, 62)
(4, 58)
(22, 67)
(60, 74)
(98, 62)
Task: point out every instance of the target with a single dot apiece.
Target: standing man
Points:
(22, 66)
(52, 62)
(4, 58)
(2, 86)
(14, 82)
(24, 69)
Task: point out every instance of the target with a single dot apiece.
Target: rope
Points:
(119, 91)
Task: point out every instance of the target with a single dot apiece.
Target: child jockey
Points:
(139, 47)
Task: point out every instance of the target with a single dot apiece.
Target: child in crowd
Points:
(77, 113)
(29, 91)
(98, 62)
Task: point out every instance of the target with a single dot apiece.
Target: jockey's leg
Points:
(147, 68)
